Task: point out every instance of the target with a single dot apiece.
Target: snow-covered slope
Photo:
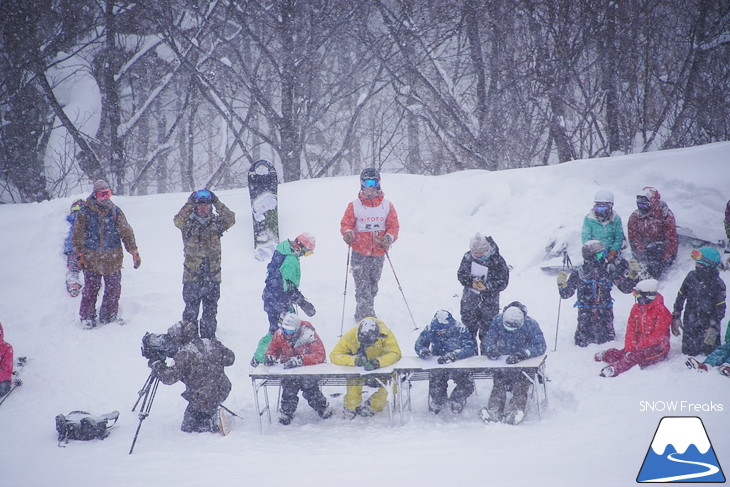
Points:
(595, 431)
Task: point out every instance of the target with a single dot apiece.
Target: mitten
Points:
(712, 334)
(307, 307)
(493, 354)
(136, 259)
(612, 256)
(424, 353)
(269, 360)
(360, 360)
(478, 284)
(372, 364)
(254, 362)
(562, 279)
(213, 197)
(516, 357)
(295, 361)
(446, 358)
(676, 326)
(634, 269)
(348, 237)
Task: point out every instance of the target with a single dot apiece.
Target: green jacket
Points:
(610, 233)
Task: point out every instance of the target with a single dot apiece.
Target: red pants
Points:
(622, 361)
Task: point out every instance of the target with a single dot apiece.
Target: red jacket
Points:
(648, 326)
(6, 358)
(366, 243)
(305, 343)
(657, 225)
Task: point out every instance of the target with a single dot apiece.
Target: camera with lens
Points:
(158, 346)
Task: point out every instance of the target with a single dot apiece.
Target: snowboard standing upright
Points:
(263, 184)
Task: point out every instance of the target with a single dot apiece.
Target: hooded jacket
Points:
(283, 275)
(656, 225)
(528, 338)
(366, 243)
(304, 342)
(610, 232)
(385, 348)
(702, 297)
(441, 339)
(6, 357)
(202, 241)
(498, 272)
(648, 326)
(99, 232)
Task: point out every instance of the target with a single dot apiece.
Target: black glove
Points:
(307, 307)
(493, 354)
(192, 198)
(424, 353)
(269, 360)
(213, 197)
(295, 361)
(516, 357)
(372, 364)
(446, 358)
(255, 362)
(360, 360)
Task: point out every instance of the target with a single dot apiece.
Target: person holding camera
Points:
(296, 344)
(283, 275)
(99, 231)
(202, 230)
(450, 341)
(199, 364)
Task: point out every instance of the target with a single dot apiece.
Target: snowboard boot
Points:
(515, 417)
(433, 406)
(724, 369)
(348, 413)
(488, 416)
(325, 413)
(694, 364)
(285, 418)
(88, 324)
(457, 405)
(607, 372)
(365, 411)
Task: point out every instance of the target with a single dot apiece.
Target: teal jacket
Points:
(610, 233)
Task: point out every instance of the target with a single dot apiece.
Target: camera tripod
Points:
(147, 396)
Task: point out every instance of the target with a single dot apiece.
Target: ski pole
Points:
(234, 414)
(17, 383)
(401, 290)
(567, 264)
(344, 293)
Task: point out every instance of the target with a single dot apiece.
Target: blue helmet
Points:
(203, 196)
(707, 256)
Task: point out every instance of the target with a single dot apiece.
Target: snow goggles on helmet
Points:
(104, 194)
(303, 250)
(601, 207)
(370, 183)
(600, 255)
(288, 331)
(203, 196)
(642, 202)
(697, 255)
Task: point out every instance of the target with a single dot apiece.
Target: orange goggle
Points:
(697, 255)
(104, 194)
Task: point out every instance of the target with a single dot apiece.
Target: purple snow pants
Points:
(110, 300)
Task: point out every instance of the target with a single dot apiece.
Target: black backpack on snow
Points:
(80, 425)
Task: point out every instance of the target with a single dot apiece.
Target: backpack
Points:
(80, 425)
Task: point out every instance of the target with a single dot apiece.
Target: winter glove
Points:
(384, 241)
(493, 354)
(136, 259)
(269, 360)
(446, 358)
(348, 237)
(254, 362)
(612, 256)
(516, 357)
(295, 361)
(372, 364)
(424, 353)
(213, 197)
(634, 269)
(562, 279)
(676, 326)
(81, 261)
(712, 334)
(478, 284)
(307, 307)
(724, 369)
(360, 360)
(192, 197)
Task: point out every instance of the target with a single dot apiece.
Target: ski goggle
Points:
(697, 255)
(303, 250)
(288, 331)
(643, 203)
(600, 255)
(203, 196)
(104, 194)
(638, 293)
(601, 208)
(370, 183)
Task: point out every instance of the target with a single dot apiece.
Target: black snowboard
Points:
(263, 184)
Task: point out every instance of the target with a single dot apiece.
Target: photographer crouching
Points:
(198, 363)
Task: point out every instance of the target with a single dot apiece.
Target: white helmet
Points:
(603, 196)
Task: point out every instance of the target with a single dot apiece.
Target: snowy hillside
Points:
(595, 431)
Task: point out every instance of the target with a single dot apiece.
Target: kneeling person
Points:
(295, 344)
(199, 364)
(449, 340)
(370, 345)
(519, 337)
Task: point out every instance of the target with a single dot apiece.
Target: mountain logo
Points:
(680, 452)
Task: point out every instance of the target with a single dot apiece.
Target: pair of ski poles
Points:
(344, 294)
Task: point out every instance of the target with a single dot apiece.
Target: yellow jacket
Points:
(385, 349)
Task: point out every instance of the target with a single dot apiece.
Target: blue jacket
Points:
(528, 338)
(68, 246)
(283, 274)
(455, 338)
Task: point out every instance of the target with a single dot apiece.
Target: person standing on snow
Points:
(6, 364)
(726, 258)
(647, 333)
(199, 364)
(484, 274)
(653, 232)
(450, 341)
(370, 226)
(370, 345)
(73, 283)
(604, 225)
(201, 233)
(519, 337)
(99, 232)
(593, 281)
(296, 344)
(283, 274)
(702, 296)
